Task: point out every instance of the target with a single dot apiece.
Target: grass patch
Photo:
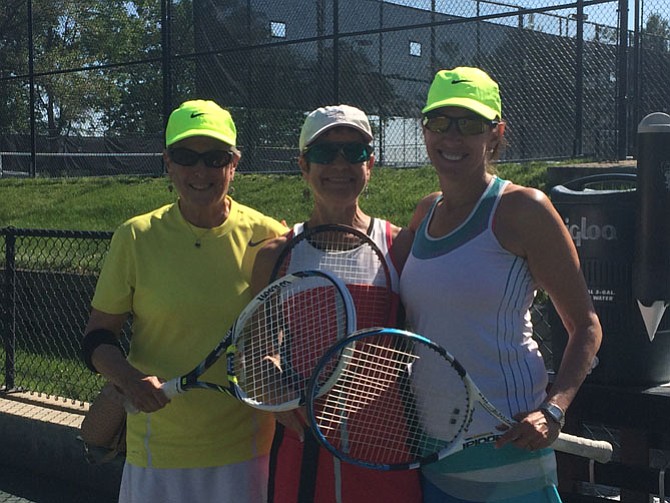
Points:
(55, 376)
(101, 204)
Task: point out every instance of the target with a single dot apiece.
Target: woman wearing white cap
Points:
(336, 161)
(483, 246)
(184, 271)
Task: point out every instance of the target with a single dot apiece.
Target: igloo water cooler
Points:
(620, 224)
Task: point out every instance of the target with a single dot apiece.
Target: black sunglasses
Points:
(211, 158)
(467, 126)
(326, 153)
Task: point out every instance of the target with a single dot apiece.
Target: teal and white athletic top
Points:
(467, 293)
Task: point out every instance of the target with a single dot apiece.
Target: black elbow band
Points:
(92, 340)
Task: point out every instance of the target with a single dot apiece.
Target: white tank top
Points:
(359, 271)
(469, 294)
(305, 256)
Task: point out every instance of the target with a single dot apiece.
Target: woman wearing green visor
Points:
(183, 273)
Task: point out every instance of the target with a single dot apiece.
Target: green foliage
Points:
(656, 33)
(104, 203)
(83, 34)
(530, 174)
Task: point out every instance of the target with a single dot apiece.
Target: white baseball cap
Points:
(322, 119)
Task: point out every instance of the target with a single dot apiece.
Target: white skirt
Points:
(239, 483)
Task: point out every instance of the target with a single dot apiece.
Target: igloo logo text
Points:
(589, 232)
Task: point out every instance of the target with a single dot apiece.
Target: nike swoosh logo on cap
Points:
(459, 81)
(194, 115)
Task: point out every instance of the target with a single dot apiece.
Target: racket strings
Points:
(353, 258)
(281, 343)
(366, 376)
(391, 401)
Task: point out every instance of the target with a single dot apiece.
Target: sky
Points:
(605, 14)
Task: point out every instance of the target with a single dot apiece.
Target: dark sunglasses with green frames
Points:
(327, 152)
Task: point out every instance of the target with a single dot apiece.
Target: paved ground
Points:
(21, 486)
(38, 436)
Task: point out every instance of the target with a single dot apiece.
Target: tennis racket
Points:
(355, 259)
(399, 401)
(274, 344)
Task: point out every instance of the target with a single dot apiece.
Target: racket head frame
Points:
(342, 351)
(229, 344)
(236, 333)
(600, 451)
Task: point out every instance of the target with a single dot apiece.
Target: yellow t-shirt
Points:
(183, 299)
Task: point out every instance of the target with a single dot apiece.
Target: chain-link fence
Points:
(47, 280)
(86, 86)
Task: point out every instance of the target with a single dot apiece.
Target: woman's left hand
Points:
(533, 431)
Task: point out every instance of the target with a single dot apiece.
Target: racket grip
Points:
(599, 450)
(171, 388)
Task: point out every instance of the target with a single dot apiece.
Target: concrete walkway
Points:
(41, 459)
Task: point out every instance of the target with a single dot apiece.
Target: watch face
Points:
(554, 412)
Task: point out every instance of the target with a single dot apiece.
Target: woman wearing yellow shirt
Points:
(182, 272)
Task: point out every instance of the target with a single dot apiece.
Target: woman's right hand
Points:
(143, 394)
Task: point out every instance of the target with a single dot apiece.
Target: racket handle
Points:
(171, 388)
(599, 450)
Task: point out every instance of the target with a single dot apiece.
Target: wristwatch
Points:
(553, 412)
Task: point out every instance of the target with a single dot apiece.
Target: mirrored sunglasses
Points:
(326, 153)
(467, 126)
(211, 158)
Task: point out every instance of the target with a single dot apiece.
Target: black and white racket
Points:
(399, 401)
(355, 259)
(275, 342)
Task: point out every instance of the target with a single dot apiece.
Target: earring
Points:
(231, 190)
(170, 187)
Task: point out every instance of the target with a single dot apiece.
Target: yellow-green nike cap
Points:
(200, 118)
(465, 87)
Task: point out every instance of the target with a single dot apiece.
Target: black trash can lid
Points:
(603, 184)
(656, 122)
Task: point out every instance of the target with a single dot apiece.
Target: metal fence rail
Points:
(100, 78)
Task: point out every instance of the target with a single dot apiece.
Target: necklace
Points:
(198, 237)
(216, 221)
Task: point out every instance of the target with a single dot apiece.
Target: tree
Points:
(656, 34)
(13, 67)
(80, 46)
(655, 66)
